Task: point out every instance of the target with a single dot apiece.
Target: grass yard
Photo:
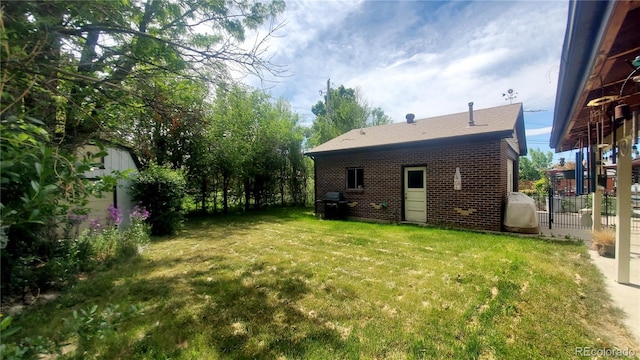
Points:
(283, 284)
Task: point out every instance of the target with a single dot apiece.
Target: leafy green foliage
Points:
(136, 74)
(72, 64)
(533, 168)
(378, 117)
(26, 348)
(90, 324)
(161, 190)
(39, 184)
(35, 177)
(254, 148)
(167, 130)
(346, 110)
(527, 170)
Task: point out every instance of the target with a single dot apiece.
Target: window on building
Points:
(92, 157)
(355, 178)
(415, 179)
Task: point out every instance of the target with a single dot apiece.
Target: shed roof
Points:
(109, 144)
(501, 122)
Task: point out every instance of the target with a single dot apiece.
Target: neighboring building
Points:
(407, 171)
(120, 159)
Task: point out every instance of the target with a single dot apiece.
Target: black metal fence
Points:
(574, 211)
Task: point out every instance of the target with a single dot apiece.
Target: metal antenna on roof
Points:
(510, 95)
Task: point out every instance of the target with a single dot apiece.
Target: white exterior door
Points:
(415, 194)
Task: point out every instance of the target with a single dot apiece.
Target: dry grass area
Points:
(285, 285)
(604, 237)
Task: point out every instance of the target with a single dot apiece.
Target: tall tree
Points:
(533, 168)
(84, 53)
(164, 122)
(378, 117)
(230, 136)
(345, 110)
(257, 148)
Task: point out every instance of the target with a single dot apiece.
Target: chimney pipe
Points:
(410, 118)
(471, 114)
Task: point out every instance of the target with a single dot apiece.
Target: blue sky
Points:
(425, 57)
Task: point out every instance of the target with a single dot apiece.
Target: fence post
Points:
(606, 209)
(550, 210)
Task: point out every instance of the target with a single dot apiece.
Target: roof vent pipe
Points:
(410, 118)
(471, 114)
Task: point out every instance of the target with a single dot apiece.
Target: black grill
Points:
(335, 205)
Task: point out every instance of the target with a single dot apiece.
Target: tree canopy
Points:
(343, 109)
(72, 62)
(142, 74)
(532, 168)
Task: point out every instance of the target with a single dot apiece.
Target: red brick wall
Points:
(482, 167)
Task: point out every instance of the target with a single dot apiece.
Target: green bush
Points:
(541, 186)
(88, 324)
(161, 191)
(25, 348)
(39, 183)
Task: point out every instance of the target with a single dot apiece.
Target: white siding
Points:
(117, 159)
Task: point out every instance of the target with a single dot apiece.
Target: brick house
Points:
(453, 170)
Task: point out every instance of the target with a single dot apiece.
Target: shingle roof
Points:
(502, 119)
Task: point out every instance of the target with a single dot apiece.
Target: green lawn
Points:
(283, 284)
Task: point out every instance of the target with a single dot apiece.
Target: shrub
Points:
(88, 324)
(91, 325)
(26, 348)
(39, 183)
(161, 191)
(541, 186)
(102, 243)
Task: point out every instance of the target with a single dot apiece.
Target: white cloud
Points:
(540, 131)
(425, 57)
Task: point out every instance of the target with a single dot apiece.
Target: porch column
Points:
(596, 210)
(596, 203)
(623, 213)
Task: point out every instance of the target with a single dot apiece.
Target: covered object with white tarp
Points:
(520, 214)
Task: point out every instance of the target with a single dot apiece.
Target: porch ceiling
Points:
(602, 40)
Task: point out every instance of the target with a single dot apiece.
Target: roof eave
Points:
(464, 138)
(521, 134)
(586, 24)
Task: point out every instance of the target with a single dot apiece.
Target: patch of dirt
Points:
(16, 305)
